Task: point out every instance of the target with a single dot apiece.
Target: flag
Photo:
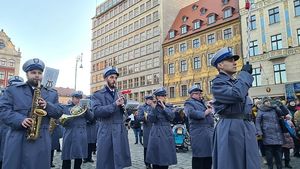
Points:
(247, 5)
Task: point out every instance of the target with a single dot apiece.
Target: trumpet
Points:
(74, 112)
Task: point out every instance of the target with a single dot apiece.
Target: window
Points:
(257, 77)
(298, 32)
(183, 66)
(171, 34)
(131, 69)
(149, 79)
(142, 22)
(276, 42)
(3, 62)
(196, 43)
(280, 73)
(170, 51)
(197, 25)
(142, 8)
(228, 13)
(142, 95)
(149, 63)
(172, 92)
(149, 48)
(130, 83)
(125, 70)
(197, 63)
(124, 84)
(148, 4)
(148, 19)
(156, 78)
(227, 33)
(274, 15)
(136, 82)
(136, 11)
(143, 51)
(297, 7)
(156, 62)
(209, 57)
(2, 75)
(149, 34)
(136, 25)
(156, 46)
(184, 90)
(183, 47)
(252, 22)
(155, 16)
(143, 80)
(212, 19)
(184, 29)
(211, 38)
(136, 67)
(225, 2)
(156, 31)
(136, 96)
(253, 48)
(171, 68)
(143, 65)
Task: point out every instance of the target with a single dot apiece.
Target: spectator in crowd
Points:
(288, 143)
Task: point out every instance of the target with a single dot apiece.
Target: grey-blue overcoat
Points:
(15, 106)
(91, 130)
(234, 143)
(112, 140)
(146, 123)
(75, 145)
(55, 136)
(3, 131)
(201, 127)
(161, 148)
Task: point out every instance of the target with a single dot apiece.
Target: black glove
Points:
(247, 68)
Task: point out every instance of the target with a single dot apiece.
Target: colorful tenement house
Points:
(198, 31)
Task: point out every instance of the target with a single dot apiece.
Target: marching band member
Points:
(143, 112)
(55, 130)
(75, 136)
(91, 130)
(4, 128)
(16, 105)
(161, 150)
(234, 144)
(112, 139)
(201, 128)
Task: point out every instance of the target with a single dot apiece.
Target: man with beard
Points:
(234, 141)
(15, 105)
(112, 139)
(201, 128)
(143, 112)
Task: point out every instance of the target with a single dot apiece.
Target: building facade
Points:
(9, 59)
(274, 47)
(128, 34)
(199, 30)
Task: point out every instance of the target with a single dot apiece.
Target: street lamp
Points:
(79, 58)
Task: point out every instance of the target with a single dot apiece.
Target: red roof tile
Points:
(211, 6)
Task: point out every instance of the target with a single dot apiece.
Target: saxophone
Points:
(52, 125)
(36, 114)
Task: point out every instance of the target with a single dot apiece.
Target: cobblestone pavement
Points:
(184, 159)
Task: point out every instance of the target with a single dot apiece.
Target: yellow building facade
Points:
(187, 55)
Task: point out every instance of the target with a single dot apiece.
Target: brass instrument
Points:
(74, 112)
(36, 114)
(52, 125)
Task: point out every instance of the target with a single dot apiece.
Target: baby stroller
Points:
(180, 133)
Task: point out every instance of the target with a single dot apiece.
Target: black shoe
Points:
(52, 165)
(58, 150)
(85, 161)
(91, 161)
(288, 166)
(135, 143)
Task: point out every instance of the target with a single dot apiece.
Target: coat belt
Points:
(236, 116)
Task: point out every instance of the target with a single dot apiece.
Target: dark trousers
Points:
(261, 147)
(297, 148)
(276, 152)
(160, 167)
(52, 154)
(145, 155)
(137, 134)
(286, 152)
(67, 164)
(91, 147)
(201, 162)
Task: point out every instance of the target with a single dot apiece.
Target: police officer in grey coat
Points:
(15, 107)
(143, 112)
(234, 143)
(4, 128)
(112, 139)
(75, 143)
(91, 130)
(161, 151)
(201, 128)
